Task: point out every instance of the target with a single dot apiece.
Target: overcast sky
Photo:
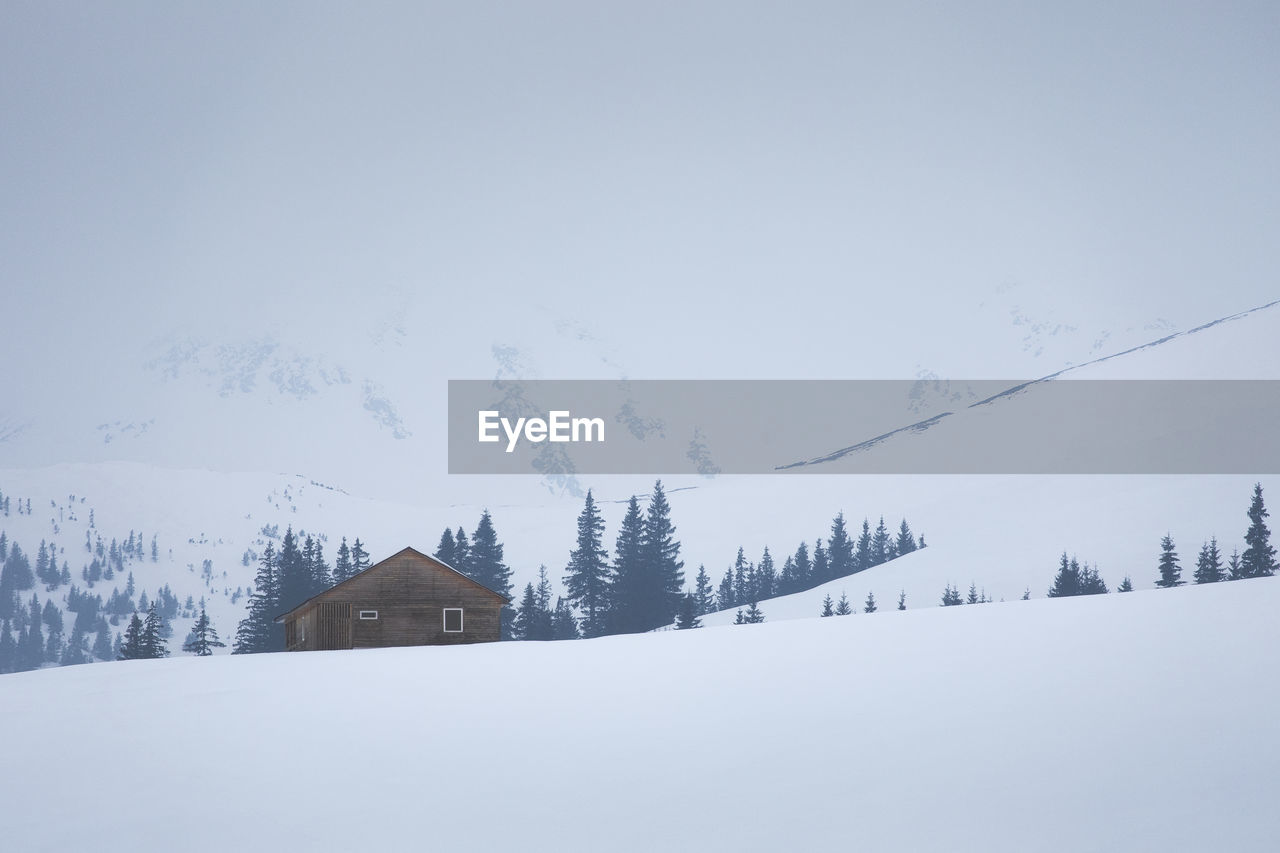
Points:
(701, 188)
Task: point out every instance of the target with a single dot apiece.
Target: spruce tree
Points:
(821, 570)
(342, 568)
(869, 606)
(360, 557)
(663, 575)
(880, 544)
(153, 645)
(754, 615)
(741, 581)
(704, 597)
(204, 637)
(827, 606)
(485, 564)
(840, 549)
(1209, 563)
(1091, 582)
(905, 543)
(973, 594)
(1126, 585)
(843, 608)
(803, 568)
(563, 624)
(1067, 581)
(527, 616)
(1234, 571)
(902, 600)
(625, 614)
(1170, 573)
(951, 597)
(461, 552)
(1259, 557)
(766, 576)
(586, 579)
(132, 648)
(687, 615)
(725, 597)
(446, 551)
(294, 580)
(257, 632)
(862, 553)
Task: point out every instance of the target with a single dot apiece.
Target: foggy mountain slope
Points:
(1092, 723)
(1237, 346)
(1002, 533)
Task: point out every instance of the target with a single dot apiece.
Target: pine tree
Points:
(951, 597)
(827, 606)
(1091, 582)
(586, 579)
(862, 553)
(840, 549)
(902, 600)
(741, 581)
(663, 575)
(461, 552)
(153, 645)
(803, 568)
(446, 551)
(880, 544)
(843, 608)
(754, 615)
(485, 565)
(257, 632)
(973, 594)
(766, 576)
(1209, 563)
(321, 578)
(821, 569)
(132, 648)
(563, 625)
(527, 616)
(1067, 581)
(1259, 557)
(625, 616)
(102, 645)
(905, 542)
(870, 605)
(1234, 572)
(738, 618)
(294, 580)
(205, 637)
(342, 567)
(687, 615)
(704, 597)
(725, 597)
(360, 557)
(1126, 585)
(1170, 573)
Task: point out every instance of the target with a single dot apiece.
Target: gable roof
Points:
(413, 551)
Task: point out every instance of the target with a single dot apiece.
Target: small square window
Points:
(453, 620)
(368, 614)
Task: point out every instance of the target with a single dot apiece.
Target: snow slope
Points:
(1124, 722)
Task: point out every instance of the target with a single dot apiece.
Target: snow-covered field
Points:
(1123, 722)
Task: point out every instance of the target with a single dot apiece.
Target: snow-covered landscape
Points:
(246, 249)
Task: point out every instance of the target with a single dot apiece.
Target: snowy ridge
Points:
(928, 423)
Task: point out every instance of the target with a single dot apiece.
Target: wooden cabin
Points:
(408, 599)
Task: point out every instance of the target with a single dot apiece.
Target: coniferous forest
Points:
(630, 582)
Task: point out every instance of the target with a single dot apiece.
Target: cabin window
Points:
(453, 620)
(368, 614)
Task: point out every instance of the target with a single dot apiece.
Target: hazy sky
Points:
(696, 188)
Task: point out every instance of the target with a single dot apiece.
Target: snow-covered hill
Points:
(1113, 723)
